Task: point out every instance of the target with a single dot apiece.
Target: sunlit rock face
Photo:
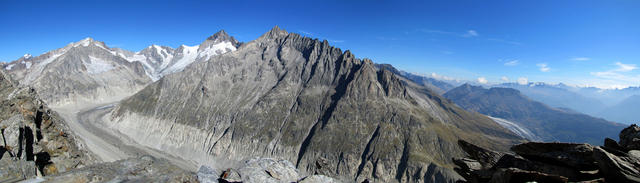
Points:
(88, 71)
(302, 100)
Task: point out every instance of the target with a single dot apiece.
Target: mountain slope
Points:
(559, 96)
(90, 72)
(548, 123)
(440, 87)
(625, 111)
(82, 71)
(288, 96)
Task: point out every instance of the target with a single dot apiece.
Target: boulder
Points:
(614, 168)
(230, 175)
(141, 169)
(578, 156)
(487, 158)
(262, 170)
(207, 174)
(513, 161)
(634, 154)
(612, 144)
(630, 137)
(613, 147)
(516, 175)
(467, 163)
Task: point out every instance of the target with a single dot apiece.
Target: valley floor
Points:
(88, 122)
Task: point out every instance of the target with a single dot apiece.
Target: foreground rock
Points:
(630, 138)
(260, 170)
(618, 168)
(34, 139)
(142, 169)
(579, 156)
(557, 162)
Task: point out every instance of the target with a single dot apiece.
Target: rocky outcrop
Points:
(300, 99)
(618, 168)
(630, 138)
(578, 156)
(141, 169)
(258, 170)
(557, 162)
(35, 140)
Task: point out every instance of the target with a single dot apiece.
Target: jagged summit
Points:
(86, 42)
(274, 33)
(222, 36)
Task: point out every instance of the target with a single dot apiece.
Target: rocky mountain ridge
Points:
(88, 71)
(288, 96)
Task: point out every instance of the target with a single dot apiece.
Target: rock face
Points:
(141, 169)
(555, 162)
(264, 170)
(630, 138)
(618, 168)
(88, 71)
(288, 96)
(533, 120)
(579, 156)
(35, 141)
(258, 170)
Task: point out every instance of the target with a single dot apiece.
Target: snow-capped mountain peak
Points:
(84, 42)
(156, 60)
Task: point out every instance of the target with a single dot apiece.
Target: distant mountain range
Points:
(603, 103)
(558, 96)
(90, 71)
(524, 115)
(625, 111)
(434, 85)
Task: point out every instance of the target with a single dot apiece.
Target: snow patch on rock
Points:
(97, 65)
(189, 55)
(217, 49)
(9, 66)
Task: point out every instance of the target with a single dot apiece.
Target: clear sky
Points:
(581, 42)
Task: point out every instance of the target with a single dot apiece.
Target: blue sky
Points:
(595, 43)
